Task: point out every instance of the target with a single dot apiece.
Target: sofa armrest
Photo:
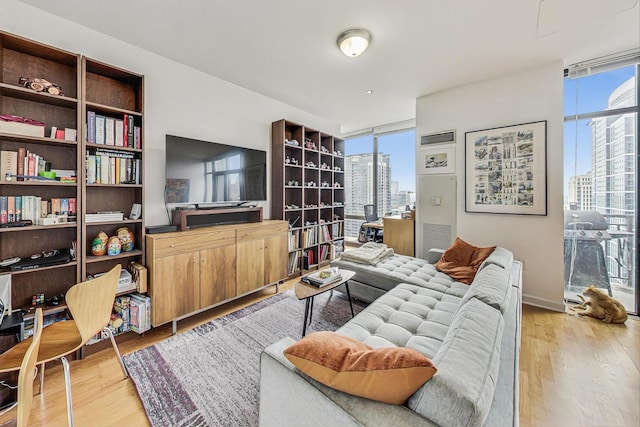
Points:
(434, 255)
(290, 398)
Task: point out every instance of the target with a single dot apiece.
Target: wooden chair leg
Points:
(41, 382)
(115, 348)
(67, 384)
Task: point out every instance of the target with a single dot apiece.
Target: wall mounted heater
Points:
(445, 137)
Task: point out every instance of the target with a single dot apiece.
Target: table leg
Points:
(306, 315)
(346, 285)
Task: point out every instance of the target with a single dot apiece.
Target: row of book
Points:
(18, 208)
(294, 238)
(294, 262)
(106, 166)
(309, 237)
(325, 236)
(113, 131)
(135, 312)
(24, 165)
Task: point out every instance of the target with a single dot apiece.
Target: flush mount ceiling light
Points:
(354, 42)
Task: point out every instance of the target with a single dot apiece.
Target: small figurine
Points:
(40, 85)
(126, 239)
(99, 244)
(114, 246)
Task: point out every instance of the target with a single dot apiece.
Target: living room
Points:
(183, 100)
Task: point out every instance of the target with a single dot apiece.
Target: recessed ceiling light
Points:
(369, 92)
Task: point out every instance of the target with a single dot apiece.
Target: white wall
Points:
(178, 100)
(532, 95)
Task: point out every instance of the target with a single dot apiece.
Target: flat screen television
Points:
(207, 174)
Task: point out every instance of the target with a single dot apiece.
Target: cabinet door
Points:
(275, 264)
(217, 274)
(250, 265)
(176, 283)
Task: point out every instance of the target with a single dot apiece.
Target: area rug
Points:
(210, 375)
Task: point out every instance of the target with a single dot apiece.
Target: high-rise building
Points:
(614, 177)
(580, 193)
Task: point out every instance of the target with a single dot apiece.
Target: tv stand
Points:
(190, 219)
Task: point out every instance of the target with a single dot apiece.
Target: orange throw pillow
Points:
(462, 260)
(388, 375)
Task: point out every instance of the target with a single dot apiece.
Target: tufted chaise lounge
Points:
(471, 332)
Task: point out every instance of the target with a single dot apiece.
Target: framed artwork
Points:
(437, 160)
(506, 169)
(176, 190)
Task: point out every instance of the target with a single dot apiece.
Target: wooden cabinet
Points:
(308, 193)
(194, 270)
(260, 250)
(399, 234)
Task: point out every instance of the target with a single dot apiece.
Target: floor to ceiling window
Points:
(379, 170)
(601, 178)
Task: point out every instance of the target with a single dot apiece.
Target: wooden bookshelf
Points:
(308, 192)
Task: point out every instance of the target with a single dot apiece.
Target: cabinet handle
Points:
(172, 245)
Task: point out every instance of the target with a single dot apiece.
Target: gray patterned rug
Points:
(209, 376)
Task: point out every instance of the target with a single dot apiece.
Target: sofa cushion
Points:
(491, 286)
(501, 257)
(388, 375)
(408, 316)
(461, 260)
(403, 269)
(468, 362)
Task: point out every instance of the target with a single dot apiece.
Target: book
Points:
(60, 134)
(22, 153)
(125, 129)
(317, 279)
(119, 133)
(137, 137)
(109, 131)
(4, 207)
(100, 129)
(21, 126)
(11, 208)
(8, 163)
(130, 132)
(18, 208)
(91, 127)
(54, 130)
(91, 169)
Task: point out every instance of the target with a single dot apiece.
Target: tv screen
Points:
(202, 172)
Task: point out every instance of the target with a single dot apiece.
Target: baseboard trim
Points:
(543, 303)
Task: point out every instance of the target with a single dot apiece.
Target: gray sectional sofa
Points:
(471, 332)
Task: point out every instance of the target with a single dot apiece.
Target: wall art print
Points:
(438, 160)
(506, 170)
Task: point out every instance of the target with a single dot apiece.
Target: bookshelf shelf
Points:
(91, 259)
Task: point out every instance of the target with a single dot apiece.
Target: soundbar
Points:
(156, 229)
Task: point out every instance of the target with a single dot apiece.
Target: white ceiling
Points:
(286, 49)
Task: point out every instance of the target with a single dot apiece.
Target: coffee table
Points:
(307, 292)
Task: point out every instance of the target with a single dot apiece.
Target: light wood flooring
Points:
(573, 372)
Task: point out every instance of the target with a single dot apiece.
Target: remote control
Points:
(7, 262)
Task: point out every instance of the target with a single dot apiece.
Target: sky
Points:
(586, 95)
(402, 150)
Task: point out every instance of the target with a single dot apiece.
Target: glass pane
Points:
(358, 181)
(592, 93)
(234, 186)
(396, 172)
(600, 172)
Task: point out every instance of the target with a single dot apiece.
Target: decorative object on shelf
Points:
(99, 244)
(354, 42)
(126, 237)
(114, 247)
(506, 170)
(438, 160)
(40, 85)
(292, 142)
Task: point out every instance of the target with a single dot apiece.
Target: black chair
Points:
(372, 234)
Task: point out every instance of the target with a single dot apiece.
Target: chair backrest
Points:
(91, 302)
(370, 214)
(27, 373)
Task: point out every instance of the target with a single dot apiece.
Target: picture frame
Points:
(437, 160)
(505, 169)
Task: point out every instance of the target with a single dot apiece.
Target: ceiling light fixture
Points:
(354, 42)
